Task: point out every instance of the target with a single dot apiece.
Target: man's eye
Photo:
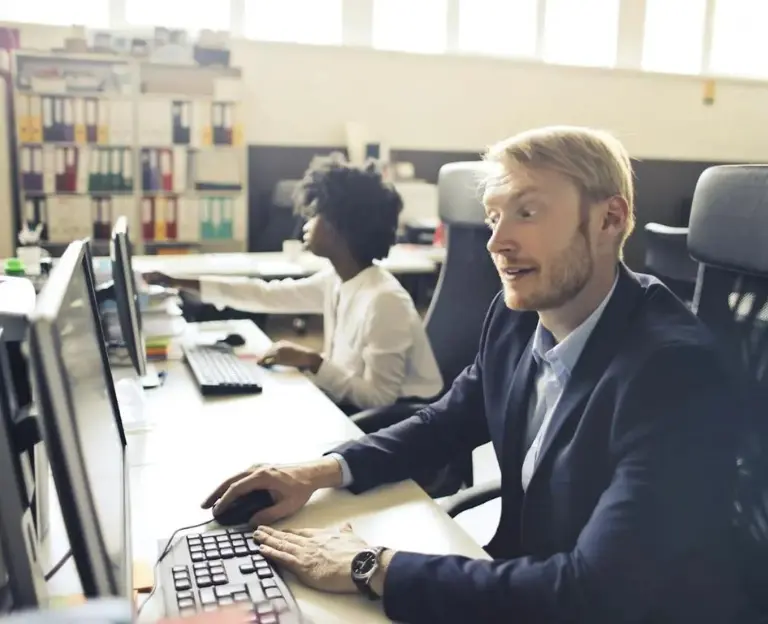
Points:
(491, 221)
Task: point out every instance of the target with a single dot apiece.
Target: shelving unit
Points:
(99, 136)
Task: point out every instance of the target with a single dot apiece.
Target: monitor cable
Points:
(168, 548)
(52, 572)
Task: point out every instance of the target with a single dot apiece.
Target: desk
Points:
(402, 260)
(195, 443)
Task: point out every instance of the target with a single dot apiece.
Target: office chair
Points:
(467, 283)
(667, 257)
(729, 236)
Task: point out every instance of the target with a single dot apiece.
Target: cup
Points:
(292, 249)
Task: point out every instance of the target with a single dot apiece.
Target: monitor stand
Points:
(151, 379)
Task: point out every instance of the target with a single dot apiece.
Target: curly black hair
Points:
(356, 200)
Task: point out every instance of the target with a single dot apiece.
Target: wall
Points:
(434, 109)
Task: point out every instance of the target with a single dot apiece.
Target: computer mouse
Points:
(233, 340)
(241, 510)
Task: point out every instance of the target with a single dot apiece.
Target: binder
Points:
(171, 218)
(116, 170)
(206, 222)
(61, 170)
(146, 172)
(35, 121)
(225, 228)
(30, 217)
(104, 164)
(58, 119)
(201, 124)
(48, 131)
(179, 169)
(37, 168)
(23, 120)
(102, 222)
(79, 121)
(216, 214)
(147, 219)
(166, 169)
(68, 119)
(25, 159)
(160, 213)
(49, 169)
(94, 166)
(41, 216)
(238, 137)
(127, 170)
(70, 173)
(91, 128)
(180, 112)
(155, 181)
(84, 159)
(102, 119)
(188, 223)
(218, 123)
(226, 131)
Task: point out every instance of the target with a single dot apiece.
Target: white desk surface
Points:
(402, 259)
(194, 443)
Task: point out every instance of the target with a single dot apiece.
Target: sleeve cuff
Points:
(346, 472)
(328, 378)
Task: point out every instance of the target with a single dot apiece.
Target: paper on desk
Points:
(131, 401)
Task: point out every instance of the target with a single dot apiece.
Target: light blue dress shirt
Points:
(555, 361)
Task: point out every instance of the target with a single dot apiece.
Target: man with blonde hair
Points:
(611, 410)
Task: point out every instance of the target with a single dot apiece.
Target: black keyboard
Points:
(218, 371)
(204, 572)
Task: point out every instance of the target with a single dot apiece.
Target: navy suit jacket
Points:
(625, 519)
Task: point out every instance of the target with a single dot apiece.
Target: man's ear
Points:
(616, 214)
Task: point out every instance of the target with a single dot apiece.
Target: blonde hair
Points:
(594, 160)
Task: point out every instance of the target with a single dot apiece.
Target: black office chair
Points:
(467, 283)
(667, 257)
(729, 237)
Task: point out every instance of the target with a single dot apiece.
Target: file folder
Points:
(116, 168)
(159, 212)
(94, 166)
(181, 115)
(79, 120)
(37, 168)
(127, 170)
(61, 169)
(188, 222)
(218, 123)
(68, 119)
(166, 169)
(171, 218)
(91, 128)
(58, 119)
(146, 171)
(35, 121)
(206, 221)
(48, 131)
(30, 213)
(102, 119)
(70, 170)
(104, 165)
(84, 160)
(155, 182)
(49, 169)
(226, 132)
(23, 121)
(147, 219)
(25, 159)
(41, 216)
(225, 228)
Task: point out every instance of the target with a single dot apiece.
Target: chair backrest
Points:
(728, 236)
(667, 257)
(468, 279)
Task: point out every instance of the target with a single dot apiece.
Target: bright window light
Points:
(581, 32)
(298, 21)
(192, 15)
(90, 13)
(739, 42)
(410, 25)
(674, 35)
(498, 27)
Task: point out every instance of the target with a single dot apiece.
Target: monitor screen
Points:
(81, 424)
(126, 296)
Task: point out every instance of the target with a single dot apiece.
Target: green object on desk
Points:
(14, 267)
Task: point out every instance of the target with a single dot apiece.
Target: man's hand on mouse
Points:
(290, 486)
(285, 353)
(320, 558)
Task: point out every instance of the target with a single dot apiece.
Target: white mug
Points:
(292, 249)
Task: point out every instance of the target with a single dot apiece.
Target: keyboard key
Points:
(219, 579)
(226, 601)
(187, 612)
(227, 553)
(241, 597)
(207, 596)
(195, 548)
(204, 581)
(268, 619)
(217, 568)
(186, 602)
(184, 594)
(253, 547)
(280, 605)
(241, 551)
(270, 582)
(261, 564)
(181, 584)
(197, 557)
(247, 568)
(212, 555)
(200, 566)
(273, 592)
(263, 573)
(179, 568)
(228, 590)
(264, 607)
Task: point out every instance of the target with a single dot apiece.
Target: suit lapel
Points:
(597, 354)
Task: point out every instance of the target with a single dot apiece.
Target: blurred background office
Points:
(417, 84)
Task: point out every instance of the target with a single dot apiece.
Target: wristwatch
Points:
(364, 566)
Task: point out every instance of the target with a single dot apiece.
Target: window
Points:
(184, 14)
(674, 35)
(739, 43)
(581, 33)
(498, 27)
(410, 25)
(299, 21)
(90, 13)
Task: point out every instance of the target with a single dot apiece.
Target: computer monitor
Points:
(81, 424)
(126, 296)
(22, 584)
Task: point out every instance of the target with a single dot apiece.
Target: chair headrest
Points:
(460, 192)
(729, 218)
(282, 195)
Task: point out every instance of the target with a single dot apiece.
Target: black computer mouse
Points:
(233, 340)
(241, 510)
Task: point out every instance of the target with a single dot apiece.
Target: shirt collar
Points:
(563, 356)
(351, 285)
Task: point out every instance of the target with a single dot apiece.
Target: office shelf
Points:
(99, 136)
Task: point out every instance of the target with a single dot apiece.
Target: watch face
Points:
(363, 563)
